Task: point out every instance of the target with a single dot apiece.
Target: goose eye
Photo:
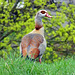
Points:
(43, 12)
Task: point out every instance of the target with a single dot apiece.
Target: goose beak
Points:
(47, 15)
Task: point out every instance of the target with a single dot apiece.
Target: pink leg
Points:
(40, 60)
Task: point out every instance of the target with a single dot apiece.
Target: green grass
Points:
(18, 66)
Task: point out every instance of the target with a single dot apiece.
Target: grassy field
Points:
(18, 66)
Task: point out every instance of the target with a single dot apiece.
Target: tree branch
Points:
(17, 1)
(5, 35)
(54, 37)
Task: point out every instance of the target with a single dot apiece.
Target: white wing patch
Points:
(20, 49)
(42, 47)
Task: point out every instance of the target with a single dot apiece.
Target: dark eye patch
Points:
(43, 12)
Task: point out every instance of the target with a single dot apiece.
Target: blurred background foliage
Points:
(16, 22)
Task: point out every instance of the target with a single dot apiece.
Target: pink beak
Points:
(47, 15)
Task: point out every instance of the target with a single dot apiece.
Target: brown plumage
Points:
(34, 43)
(30, 44)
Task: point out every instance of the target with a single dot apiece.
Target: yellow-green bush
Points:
(60, 40)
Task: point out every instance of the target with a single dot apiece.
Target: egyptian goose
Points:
(33, 45)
